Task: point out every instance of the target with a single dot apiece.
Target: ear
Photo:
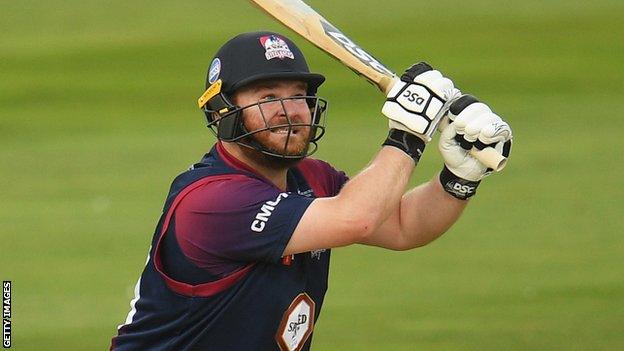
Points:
(230, 127)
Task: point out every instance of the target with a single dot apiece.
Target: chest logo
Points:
(297, 324)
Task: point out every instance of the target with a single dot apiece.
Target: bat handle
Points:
(386, 83)
(490, 158)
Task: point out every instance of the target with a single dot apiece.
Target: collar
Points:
(294, 177)
(239, 165)
(233, 162)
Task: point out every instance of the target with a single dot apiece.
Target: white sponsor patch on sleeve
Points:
(262, 217)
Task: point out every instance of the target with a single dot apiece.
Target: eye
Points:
(267, 97)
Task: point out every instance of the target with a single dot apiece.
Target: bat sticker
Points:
(353, 48)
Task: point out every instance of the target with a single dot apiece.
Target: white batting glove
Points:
(415, 104)
(473, 125)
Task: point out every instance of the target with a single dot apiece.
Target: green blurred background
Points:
(98, 114)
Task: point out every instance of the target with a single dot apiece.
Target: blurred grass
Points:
(97, 114)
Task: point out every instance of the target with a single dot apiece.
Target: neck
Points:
(256, 160)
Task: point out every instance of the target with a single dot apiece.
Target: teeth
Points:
(283, 130)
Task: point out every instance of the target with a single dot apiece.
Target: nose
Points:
(295, 109)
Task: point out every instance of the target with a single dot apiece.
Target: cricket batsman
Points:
(240, 256)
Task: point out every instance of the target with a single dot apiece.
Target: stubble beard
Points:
(273, 161)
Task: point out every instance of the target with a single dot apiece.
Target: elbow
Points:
(367, 228)
(356, 222)
(405, 246)
(363, 227)
(416, 240)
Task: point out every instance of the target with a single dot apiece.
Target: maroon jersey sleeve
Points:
(231, 221)
(322, 177)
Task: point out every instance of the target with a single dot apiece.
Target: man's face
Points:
(275, 115)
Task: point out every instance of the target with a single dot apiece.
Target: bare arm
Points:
(362, 206)
(425, 213)
(372, 208)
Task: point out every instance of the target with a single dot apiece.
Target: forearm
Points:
(424, 214)
(427, 212)
(377, 190)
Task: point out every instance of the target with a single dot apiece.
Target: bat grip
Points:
(490, 158)
(386, 83)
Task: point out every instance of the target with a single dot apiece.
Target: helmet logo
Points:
(275, 47)
(214, 70)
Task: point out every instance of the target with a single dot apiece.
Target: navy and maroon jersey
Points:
(215, 278)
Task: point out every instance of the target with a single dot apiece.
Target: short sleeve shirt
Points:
(235, 219)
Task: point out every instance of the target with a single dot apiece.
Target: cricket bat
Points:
(305, 21)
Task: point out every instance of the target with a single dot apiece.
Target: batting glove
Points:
(414, 107)
(473, 124)
(416, 102)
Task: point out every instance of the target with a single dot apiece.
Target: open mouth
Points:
(279, 130)
(284, 130)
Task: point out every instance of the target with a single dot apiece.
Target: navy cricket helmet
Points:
(249, 58)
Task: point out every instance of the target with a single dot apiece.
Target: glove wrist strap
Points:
(406, 142)
(458, 187)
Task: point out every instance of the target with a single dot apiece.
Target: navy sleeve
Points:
(229, 222)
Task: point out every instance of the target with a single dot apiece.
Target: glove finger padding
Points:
(468, 116)
(475, 127)
(436, 82)
(496, 132)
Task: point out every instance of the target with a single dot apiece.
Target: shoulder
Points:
(316, 165)
(321, 174)
(226, 193)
